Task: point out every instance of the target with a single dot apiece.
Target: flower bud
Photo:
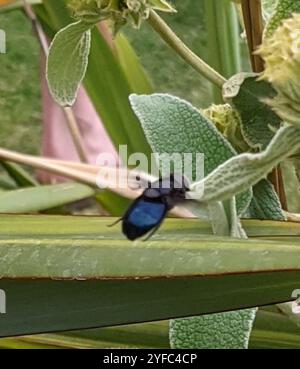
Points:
(228, 122)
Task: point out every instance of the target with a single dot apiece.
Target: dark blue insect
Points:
(148, 211)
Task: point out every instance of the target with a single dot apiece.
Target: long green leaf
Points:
(274, 330)
(223, 39)
(271, 330)
(63, 273)
(132, 67)
(39, 198)
(147, 335)
(19, 175)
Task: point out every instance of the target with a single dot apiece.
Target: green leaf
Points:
(173, 125)
(265, 203)
(274, 330)
(146, 335)
(152, 335)
(271, 330)
(7, 184)
(242, 171)
(42, 197)
(62, 273)
(12, 343)
(288, 309)
(55, 14)
(107, 86)
(258, 120)
(67, 62)
(19, 175)
(131, 65)
(223, 32)
(211, 331)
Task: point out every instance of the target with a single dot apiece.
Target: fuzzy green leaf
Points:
(242, 171)
(211, 331)
(258, 120)
(67, 62)
(265, 203)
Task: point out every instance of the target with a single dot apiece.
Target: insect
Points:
(148, 211)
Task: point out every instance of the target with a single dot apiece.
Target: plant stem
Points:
(253, 20)
(166, 33)
(75, 133)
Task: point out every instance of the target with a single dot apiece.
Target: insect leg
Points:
(114, 223)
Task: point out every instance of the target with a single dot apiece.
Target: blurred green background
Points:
(20, 122)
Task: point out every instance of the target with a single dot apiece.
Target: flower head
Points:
(281, 53)
(228, 122)
(118, 11)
